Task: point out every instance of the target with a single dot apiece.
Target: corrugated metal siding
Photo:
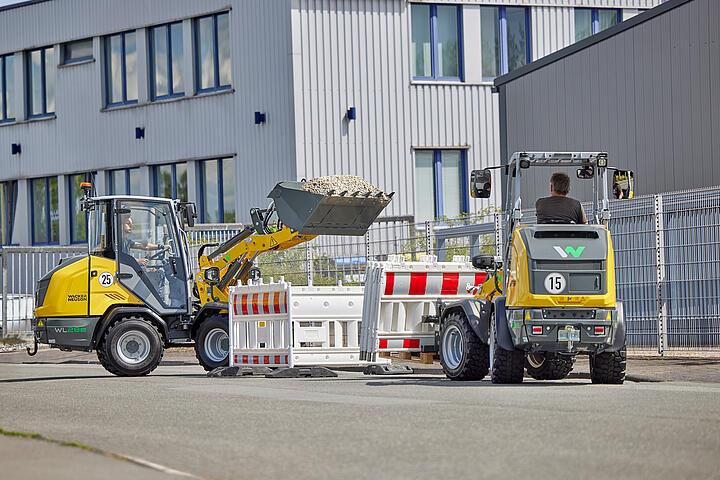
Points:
(553, 3)
(82, 137)
(649, 96)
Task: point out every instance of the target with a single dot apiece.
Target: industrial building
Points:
(647, 91)
(216, 101)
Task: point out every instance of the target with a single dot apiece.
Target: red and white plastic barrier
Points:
(279, 325)
(399, 294)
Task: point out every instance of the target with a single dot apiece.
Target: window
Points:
(442, 172)
(77, 51)
(8, 197)
(121, 69)
(78, 218)
(128, 181)
(212, 52)
(170, 181)
(44, 214)
(505, 39)
(589, 21)
(166, 58)
(436, 42)
(41, 82)
(218, 191)
(7, 88)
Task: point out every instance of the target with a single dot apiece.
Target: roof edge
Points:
(26, 3)
(588, 42)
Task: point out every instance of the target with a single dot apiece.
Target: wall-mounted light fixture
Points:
(16, 149)
(139, 133)
(260, 118)
(351, 113)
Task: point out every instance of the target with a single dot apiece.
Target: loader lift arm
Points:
(301, 216)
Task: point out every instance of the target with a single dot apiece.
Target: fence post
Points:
(660, 275)
(4, 300)
(309, 264)
(428, 238)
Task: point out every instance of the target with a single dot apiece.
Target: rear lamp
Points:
(599, 330)
(537, 330)
(602, 160)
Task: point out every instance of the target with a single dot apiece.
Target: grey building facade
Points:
(647, 91)
(216, 101)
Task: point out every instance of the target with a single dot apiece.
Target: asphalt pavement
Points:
(355, 426)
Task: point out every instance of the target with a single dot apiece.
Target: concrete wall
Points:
(649, 96)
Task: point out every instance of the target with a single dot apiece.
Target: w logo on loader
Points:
(569, 250)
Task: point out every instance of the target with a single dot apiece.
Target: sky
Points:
(8, 2)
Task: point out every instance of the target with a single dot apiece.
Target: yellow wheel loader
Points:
(549, 297)
(134, 293)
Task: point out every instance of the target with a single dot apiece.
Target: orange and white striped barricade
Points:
(260, 325)
(400, 294)
(307, 326)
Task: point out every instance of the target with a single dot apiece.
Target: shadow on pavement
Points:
(94, 377)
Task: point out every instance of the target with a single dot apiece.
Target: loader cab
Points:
(136, 243)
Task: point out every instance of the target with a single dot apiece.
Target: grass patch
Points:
(13, 340)
(62, 443)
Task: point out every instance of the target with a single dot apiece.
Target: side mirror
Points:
(586, 173)
(624, 184)
(212, 275)
(480, 183)
(483, 261)
(189, 213)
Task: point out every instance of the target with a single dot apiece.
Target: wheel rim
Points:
(217, 345)
(453, 347)
(536, 360)
(133, 347)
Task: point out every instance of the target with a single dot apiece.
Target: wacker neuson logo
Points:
(569, 250)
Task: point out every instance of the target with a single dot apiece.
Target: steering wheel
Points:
(160, 255)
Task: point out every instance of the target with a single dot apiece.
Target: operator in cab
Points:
(558, 207)
(128, 243)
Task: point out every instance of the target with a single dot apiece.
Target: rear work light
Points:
(599, 330)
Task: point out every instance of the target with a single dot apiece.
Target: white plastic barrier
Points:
(399, 294)
(277, 325)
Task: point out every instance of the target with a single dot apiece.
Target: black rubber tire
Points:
(210, 323)
(608, 367)
(475, 361)
(508, 365)
(107, 348)
(553, 366)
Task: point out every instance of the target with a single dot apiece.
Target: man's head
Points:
(127, 224)
(559, 184)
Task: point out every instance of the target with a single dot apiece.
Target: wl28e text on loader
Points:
(134, 294)
(552, 295)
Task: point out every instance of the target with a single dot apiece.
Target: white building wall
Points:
(356, 53)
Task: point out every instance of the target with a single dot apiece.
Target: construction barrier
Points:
(278, 325)
(399, 295)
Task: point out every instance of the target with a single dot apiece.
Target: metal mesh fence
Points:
(667, 262)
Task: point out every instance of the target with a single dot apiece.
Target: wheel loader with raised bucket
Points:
(551, 295)
(134, 293)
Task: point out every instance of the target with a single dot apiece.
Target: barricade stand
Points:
(399, 295)
(278, 325)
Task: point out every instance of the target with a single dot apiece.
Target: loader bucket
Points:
(315, 214)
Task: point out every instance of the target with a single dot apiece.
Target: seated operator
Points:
(128, 243)
(558, 207)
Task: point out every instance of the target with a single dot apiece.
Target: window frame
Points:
(3, 89)
(595, 19)
(216, 54)
(173, 178)
(433, 45)
(89, 177)
(111, 182)
(503, 38)
(221, 188)
(123, 67)
(438, 201)
(43, 82)
(10, 191)
(151, 58)
(48, 223)
(72, 61)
